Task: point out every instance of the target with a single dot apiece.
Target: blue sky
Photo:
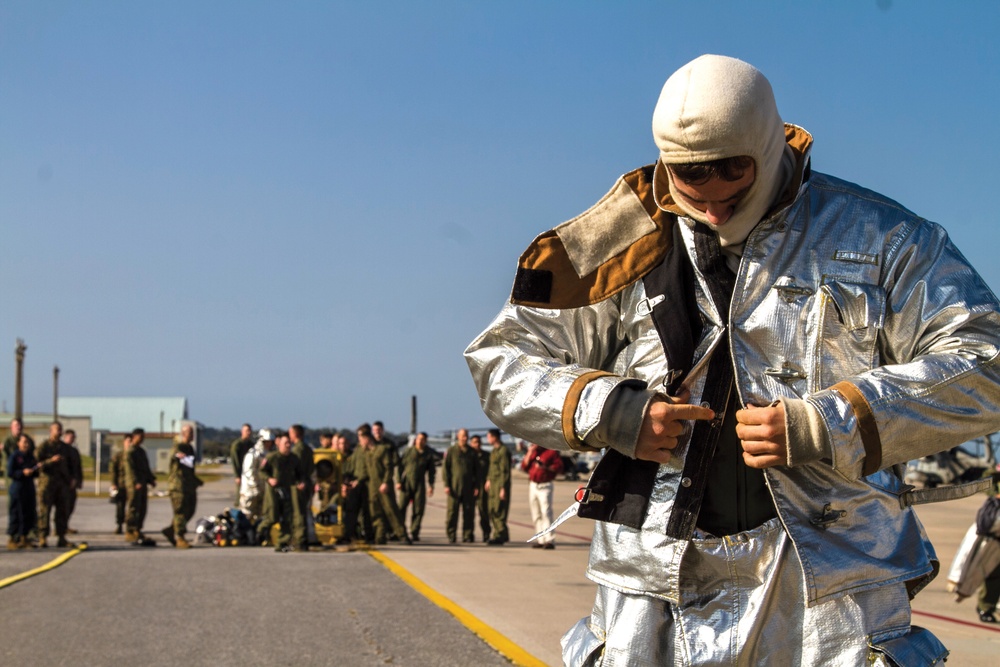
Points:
(303, 212)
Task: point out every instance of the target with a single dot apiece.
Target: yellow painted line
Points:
(44, 568)
(509, 649)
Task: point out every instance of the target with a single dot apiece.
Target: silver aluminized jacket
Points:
(841, 285)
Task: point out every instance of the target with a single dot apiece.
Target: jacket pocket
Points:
(851, 315)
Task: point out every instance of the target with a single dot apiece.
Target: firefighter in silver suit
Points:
(756, 347)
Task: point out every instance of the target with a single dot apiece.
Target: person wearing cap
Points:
(755, 346)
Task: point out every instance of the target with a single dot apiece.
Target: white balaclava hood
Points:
(718, 107)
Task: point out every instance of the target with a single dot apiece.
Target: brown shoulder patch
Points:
(546, 277)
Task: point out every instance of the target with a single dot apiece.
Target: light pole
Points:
(19, 351)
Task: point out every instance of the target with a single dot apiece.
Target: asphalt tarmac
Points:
(114, 604)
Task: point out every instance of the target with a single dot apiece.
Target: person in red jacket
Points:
(542, 466)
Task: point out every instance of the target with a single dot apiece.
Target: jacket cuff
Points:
(621, 418)
(805, 433)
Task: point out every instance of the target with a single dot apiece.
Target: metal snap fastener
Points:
(685, 482)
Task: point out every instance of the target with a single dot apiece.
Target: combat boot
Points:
(63, 542)
(13, 544)
(131, 535)
(168, 533)
(42, 542)
(181, 543)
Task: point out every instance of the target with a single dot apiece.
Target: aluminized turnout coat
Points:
(843, 299)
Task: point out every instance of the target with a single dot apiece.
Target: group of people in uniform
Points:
(41, 481)
(370, 489)
(374, 491)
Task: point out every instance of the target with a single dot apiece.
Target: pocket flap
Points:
(916, 648)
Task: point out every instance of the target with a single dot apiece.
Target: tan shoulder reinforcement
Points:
(547, 272)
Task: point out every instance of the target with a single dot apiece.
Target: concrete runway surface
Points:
(113, 604)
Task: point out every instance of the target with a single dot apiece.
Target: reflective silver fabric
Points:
(734, 610)
(841, 285)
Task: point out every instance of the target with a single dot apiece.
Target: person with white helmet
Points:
(251, 478)
(755, 346)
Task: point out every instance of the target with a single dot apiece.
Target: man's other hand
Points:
(762, 433)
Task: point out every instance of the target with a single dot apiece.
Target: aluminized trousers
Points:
(742, 602)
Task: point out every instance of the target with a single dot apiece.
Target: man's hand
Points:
(762, 433)
(272, 481)
(430, 491)
(447, 491)
(503, 493)
(663, 424)
(487, 486)
(383, 488)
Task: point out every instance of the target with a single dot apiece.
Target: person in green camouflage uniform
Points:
(498, 486)
(461, 485)
(381, 495)
(284, 482)
(138, 480)
(116, 469)
(357, 513)
(416, 482)
(54, 483)
(237, 452)
(183, 484)
(482, 471)
(302, 527)
(378, 438)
